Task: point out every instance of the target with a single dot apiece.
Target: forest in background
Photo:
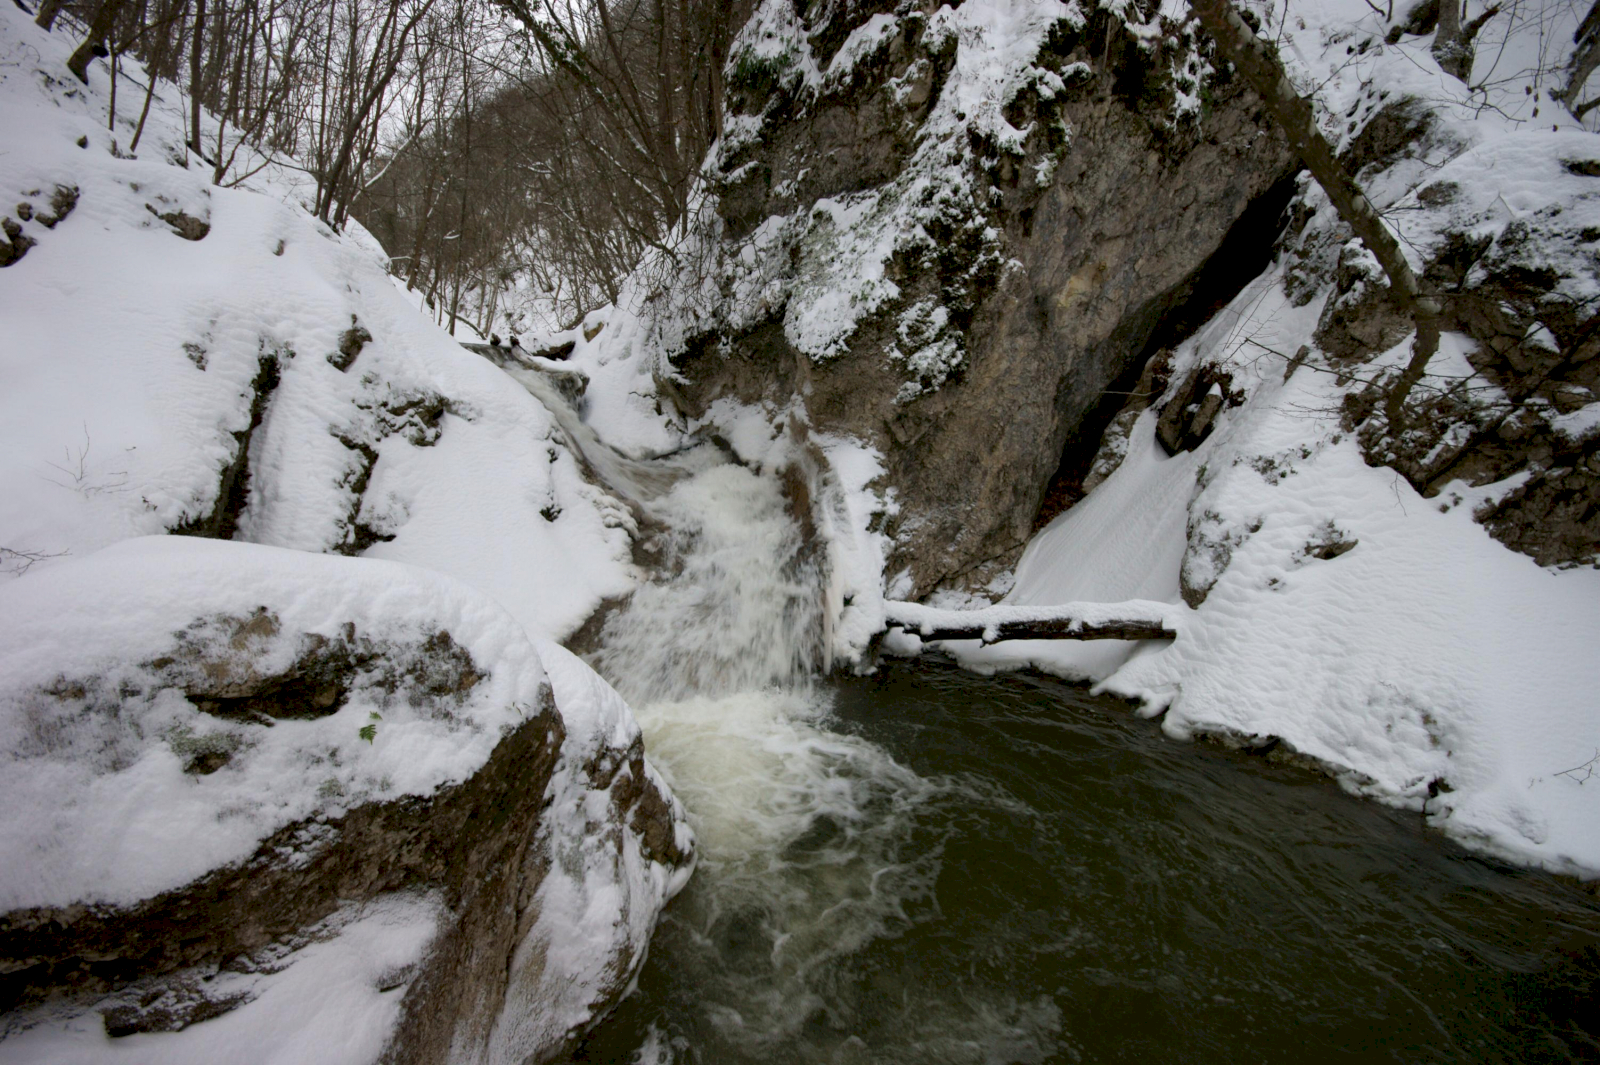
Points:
(489, 145)
(516, 158)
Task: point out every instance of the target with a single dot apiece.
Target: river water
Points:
(927, 866)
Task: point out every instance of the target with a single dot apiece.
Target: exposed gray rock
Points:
(16, 244)
(62, 201)
(183, 224)
(351, 341)
(233, 480)
(1042, 297)
(1188, 417)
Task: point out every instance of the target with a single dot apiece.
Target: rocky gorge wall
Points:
(950, 233)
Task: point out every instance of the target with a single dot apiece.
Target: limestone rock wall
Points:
(1004, 231)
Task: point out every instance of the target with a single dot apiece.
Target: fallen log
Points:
(1136, 619)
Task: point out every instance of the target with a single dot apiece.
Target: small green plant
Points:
(369, 731)
(759, 75)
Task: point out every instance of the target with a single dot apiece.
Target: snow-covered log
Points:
(1135, 619)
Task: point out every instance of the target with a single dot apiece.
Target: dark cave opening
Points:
(1246, 250)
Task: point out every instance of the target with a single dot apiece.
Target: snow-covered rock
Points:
(946, 234)
(214, 747)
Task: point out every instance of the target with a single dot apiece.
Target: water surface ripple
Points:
(929, 866)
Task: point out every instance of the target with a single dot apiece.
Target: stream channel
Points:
(929, 866)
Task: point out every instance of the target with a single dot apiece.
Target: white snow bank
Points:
(851, 512)
(334, 1001)
(99, 806)
(139, 366)
(1427, 660)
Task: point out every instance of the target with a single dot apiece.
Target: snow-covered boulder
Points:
(222, 760)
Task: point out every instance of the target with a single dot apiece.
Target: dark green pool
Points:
(1032, 874)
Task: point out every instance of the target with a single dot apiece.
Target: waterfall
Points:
(738, 605)
(814, 843)
(736, 602)
(800, 828)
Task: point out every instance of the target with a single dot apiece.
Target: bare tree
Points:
(567, 147)
(1454, 46)
(47, 14)
(1261, 69)
(1584, 61)
(105, 17)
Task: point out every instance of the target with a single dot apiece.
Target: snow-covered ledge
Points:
(1135, 619)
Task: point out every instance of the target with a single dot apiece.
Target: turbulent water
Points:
(926, 866)
(1036, 875)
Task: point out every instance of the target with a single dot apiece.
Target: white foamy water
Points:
(737, 607)
(812, 843)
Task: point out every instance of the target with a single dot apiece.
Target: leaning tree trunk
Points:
(105, 19)
(47, 14)
(1136, 619)
(1447, 46)
(1264, 73)
(1453, 47)
(1584, 61)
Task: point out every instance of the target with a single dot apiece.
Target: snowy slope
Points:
(180, 356)
(130, 352)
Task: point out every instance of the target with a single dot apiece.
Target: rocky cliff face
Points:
(950, 234)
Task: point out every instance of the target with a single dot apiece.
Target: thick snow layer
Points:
(333, 1001)
(130, 352)
(621, 404)
(98, 804)
(1427, 659)
(100, 807)
(597, 892)
(851, 511)
(1423, 663)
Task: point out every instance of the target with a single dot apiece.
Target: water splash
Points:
(813, 844)
(737, 606)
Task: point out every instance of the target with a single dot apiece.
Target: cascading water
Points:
(738, 606)
(807, 838)
(1055, 884)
